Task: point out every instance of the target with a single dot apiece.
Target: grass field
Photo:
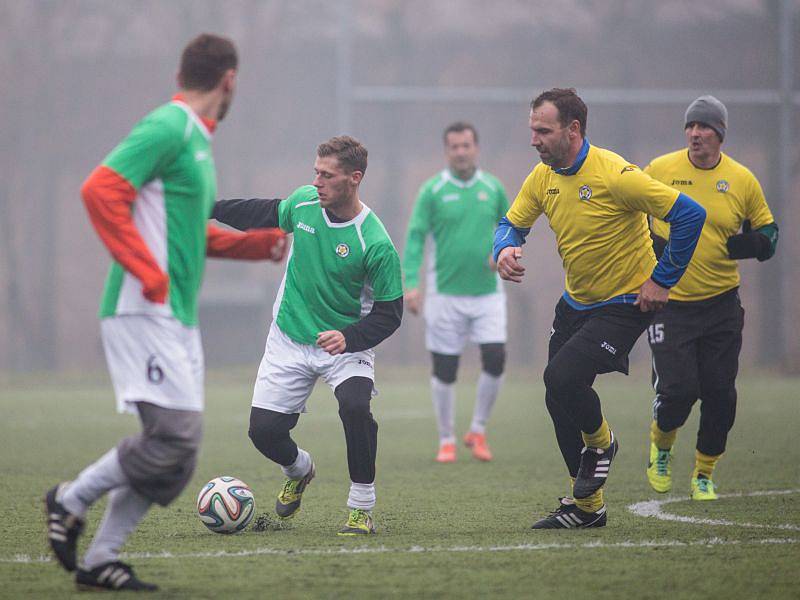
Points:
(459, 530)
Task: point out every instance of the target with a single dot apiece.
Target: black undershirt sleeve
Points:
(659, 244)
(254, 213)
(372, 329)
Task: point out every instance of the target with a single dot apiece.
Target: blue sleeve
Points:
(507, 235)
(685, 218)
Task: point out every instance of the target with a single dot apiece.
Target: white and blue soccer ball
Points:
(226, 505)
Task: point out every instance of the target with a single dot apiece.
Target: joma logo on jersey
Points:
(585, 192)
(609, 347)
(305, 227)
(342, 250)
(553, 191)
(681, 182)
(450, 197)
(723, 186)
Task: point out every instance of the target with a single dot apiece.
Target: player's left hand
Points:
(652, 297)
(332, 342)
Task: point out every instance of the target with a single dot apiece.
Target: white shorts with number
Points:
(154, 359)
(288, 372)
(451, 320)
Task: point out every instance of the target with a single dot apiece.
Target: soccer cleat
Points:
(659, 469)
(288, 502)
(477, 443)
(358, 523)
(116, 576)
(447, 453)
(703, 488)
(63, 529)
(594, 467)
(569, 516)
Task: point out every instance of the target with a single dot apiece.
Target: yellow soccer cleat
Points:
(288, 502)
(703, 488)
(659, 469)
(358, 523)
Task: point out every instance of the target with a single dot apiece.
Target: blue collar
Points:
(579, 160)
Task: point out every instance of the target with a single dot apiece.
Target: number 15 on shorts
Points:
(655, 333)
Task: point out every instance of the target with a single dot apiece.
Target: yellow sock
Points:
(591, 504)
(704, 464)
(600, 438)
(664, 440)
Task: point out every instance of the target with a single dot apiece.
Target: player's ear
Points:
(229, 80)
(356, 177)
(575, 128)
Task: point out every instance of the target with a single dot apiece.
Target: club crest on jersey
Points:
(483, 196)
(585, 192)
(342, 250)
(723, 186)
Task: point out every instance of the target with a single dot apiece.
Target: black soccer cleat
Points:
(569, 516)
(594, 468)
(63, 529)
(116, 576)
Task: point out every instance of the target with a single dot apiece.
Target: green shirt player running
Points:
(149, 202)
(459, 207)
(341, 296)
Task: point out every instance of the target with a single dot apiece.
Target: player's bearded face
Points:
(548, 136)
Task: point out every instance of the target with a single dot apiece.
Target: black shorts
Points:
(605, 334)
(696, 345)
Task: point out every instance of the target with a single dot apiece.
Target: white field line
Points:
(652, 508)
(345, 551)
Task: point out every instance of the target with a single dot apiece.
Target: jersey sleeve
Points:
(636, 190)
(418, 228)
(383, 271)
(657, 226)
(150, 147)
(758, 213)
(526, 207)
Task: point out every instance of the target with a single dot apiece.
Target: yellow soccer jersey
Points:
(598, 216)
(730, 193)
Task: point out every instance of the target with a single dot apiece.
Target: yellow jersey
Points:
(598, 216)
(730, 193)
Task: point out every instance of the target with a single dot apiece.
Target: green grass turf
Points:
(450, 514)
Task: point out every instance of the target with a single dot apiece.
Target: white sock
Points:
(95, 480)
(444, 399)
(126, 508)
(300, 467)
(362, 495)
(488, 388)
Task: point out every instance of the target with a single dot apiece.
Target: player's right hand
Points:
(508, 264)
(156, 287)
(412, 300)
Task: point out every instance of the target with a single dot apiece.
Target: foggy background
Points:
(77, 74)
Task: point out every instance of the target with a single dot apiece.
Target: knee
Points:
(182, 437)
(267, 426)
(445, 367)
(493, 358)
(557, 378)
(354, 396)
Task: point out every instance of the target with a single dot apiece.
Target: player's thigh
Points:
(153, 359)
(285, 377)
(446, 324)
(566, 321)
(489, 318)
(719, 348)
(335, 370)
(673, 338)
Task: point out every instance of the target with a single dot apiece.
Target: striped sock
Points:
(664, 440)
(600, 438)
(704, 464)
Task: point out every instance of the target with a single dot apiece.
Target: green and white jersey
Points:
(335, 270)
(167, 159)
(461, 216)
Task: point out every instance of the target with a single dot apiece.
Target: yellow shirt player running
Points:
(696, 339)
(597, 204)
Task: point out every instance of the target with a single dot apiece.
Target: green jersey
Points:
(167, 159)
(461, 216)
(335, 270)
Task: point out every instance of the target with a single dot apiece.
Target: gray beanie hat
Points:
(711, 112)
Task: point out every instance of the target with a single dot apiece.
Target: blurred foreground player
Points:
(149, 202)
(696, 339)
(459, 207)
(596, 203)
(341, 296)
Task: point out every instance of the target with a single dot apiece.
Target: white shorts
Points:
(154, 359)
(288, 372)
(451, 320)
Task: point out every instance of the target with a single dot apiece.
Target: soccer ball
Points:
(226, 505)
